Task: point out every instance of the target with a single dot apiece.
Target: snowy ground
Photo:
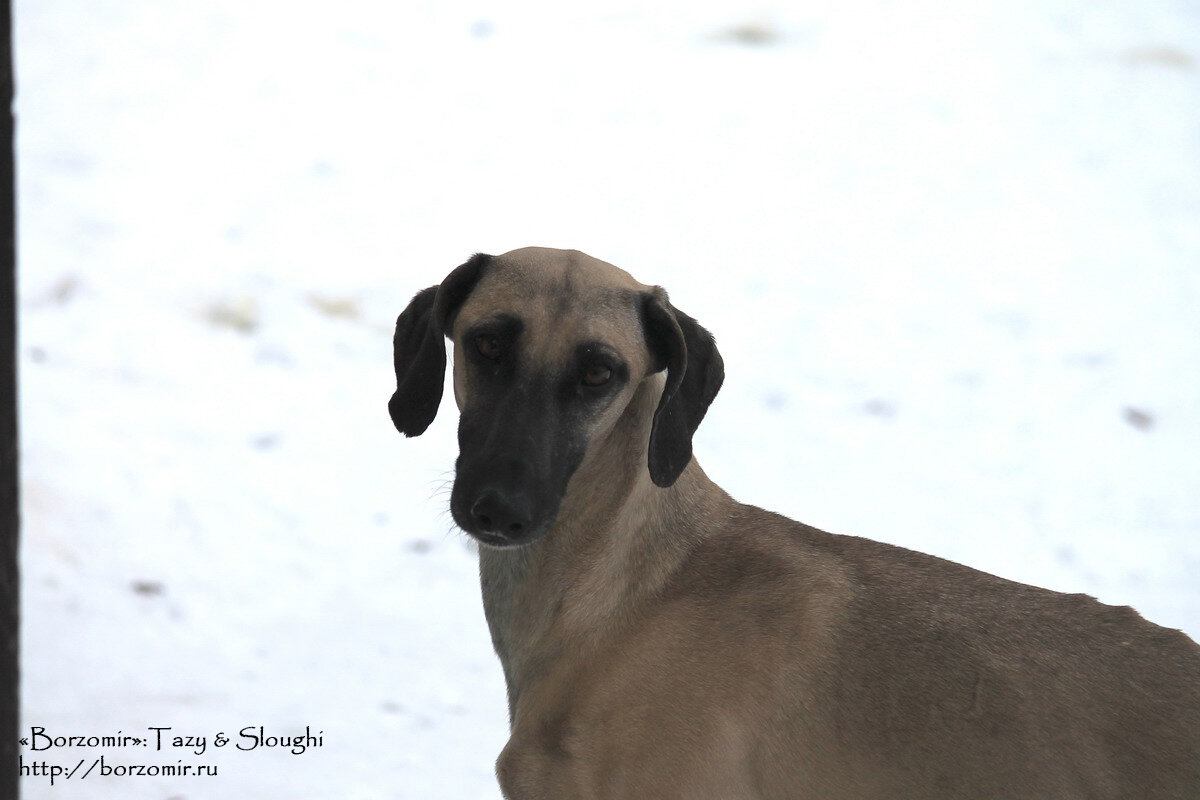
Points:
(951, 253)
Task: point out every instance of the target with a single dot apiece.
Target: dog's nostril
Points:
(501, 514)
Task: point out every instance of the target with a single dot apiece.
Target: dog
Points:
(662, 641)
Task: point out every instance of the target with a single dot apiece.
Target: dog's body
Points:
(662, 641)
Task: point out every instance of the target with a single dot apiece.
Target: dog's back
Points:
(925, 678)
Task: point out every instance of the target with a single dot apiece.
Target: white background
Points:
(950, 252)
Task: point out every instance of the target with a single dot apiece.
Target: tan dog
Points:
(661, 641)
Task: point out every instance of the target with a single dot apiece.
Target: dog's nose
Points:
(501, 514)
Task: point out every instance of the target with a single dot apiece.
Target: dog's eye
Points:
(597, 375)
(489, 347)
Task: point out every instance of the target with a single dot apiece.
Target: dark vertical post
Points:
(9, 480)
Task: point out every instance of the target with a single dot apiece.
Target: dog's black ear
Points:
(419, 349)
(694, 375)
(420, 357)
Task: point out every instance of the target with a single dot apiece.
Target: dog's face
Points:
(547, 354)
(550, 346)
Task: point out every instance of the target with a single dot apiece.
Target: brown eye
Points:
(597, 375)
(489, 347)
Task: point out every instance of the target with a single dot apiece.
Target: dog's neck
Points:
(608, 552)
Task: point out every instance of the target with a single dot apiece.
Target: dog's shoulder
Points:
(929, 647)
(875, 602)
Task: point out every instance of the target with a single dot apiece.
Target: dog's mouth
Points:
(504, 541)
(490, 540)
(500, 542)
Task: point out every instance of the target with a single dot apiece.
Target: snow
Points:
(949, 253)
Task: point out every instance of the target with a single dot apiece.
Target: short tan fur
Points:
(668, 642)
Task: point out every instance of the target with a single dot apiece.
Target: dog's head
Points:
(550, 347)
